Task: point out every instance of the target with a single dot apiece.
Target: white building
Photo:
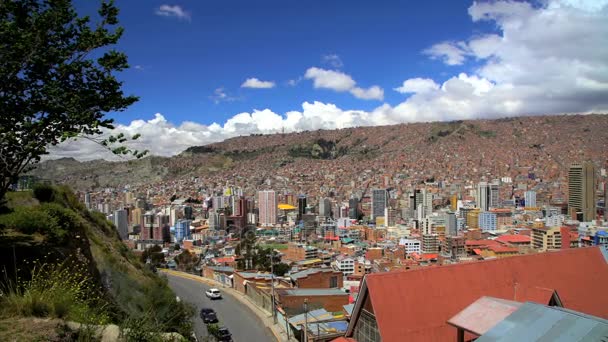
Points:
(344, 264)
(411, 245)
(530, 198)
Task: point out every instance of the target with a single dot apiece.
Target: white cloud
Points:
(371, 93)
(173, 11)
(257, 84)
(220, 95)
(417, 85)
(294, 82)
(451, 53)
(341, 82)
(541, 60)
(330, 79)
(333, 60)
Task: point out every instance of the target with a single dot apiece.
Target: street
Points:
(238, 318)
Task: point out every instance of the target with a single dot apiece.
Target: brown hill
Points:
(346, 159)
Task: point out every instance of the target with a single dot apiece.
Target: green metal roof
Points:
(535, 322)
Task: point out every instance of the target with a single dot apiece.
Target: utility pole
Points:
(15, 265)
(274, 315)
(305, 319)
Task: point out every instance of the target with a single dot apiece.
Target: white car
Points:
(213, 294)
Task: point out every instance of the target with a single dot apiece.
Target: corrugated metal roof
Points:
(255, 275)
(222, 268)
(349, 308)
(313, 316)
(535, 322)
(579, 275)
(309, 271)
(483, 314)
(312, 292)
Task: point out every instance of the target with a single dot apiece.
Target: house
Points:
(345, 264)
(222, 274)
(415, 305)
(320, 278)
(241, 279)
(493, 319)
(292, 300)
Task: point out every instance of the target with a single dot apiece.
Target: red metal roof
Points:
(344, 339)
(502, 249)
(415, 305)
(513, 238)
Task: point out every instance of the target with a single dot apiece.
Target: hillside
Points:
(439, 150)
(70, 264)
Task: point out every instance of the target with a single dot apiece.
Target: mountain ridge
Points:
(424, 150)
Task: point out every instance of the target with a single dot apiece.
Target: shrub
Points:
(67, 220)
(29, 220)
(44, 192)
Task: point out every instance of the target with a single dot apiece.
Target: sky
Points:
(206, 70)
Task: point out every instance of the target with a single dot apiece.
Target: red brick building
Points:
(415, 305)
(292, 300)
(317, 278)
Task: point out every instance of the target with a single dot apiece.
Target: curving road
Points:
(238, 318)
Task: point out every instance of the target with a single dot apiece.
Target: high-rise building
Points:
(487, 221)
(182, 230)
(301, 206)
(379, 203)
(324, 207)
(161, 225)
(218, 203)
(87, 200)
(427, 203)
(487, 195)
(121, 222)
(353, 208)
(267, 204)
(581, 191)
(451, 227)
(147, 227)
(214, 220)
(494, 190)
(188, 213)
(530, 198)
(137, 217)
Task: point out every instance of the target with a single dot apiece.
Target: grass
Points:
(108, 285)
(28, 329)
(61, 291)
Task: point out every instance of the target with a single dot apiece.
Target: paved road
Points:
(239, 319)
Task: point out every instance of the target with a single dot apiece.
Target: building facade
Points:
(581, 191)
(267, 203)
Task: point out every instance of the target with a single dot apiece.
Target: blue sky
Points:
(222, 43)
(210, 70)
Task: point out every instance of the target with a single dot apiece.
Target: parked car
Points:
(213, 294)
(208, 315)
(223, 335)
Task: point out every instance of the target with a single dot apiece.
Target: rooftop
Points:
(402, 316)
(308, 272)
(312, 292)
(534, 322)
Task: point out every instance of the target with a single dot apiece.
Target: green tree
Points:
(57, 81)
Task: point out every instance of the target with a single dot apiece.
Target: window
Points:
(333, 281)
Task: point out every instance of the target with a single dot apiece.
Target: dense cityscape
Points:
(311, 171)
(328, 244)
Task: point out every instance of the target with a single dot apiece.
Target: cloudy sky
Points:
(209, 70)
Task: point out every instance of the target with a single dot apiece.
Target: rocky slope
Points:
(439, 150)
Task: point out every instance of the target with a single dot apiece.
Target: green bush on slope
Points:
(130, 293)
